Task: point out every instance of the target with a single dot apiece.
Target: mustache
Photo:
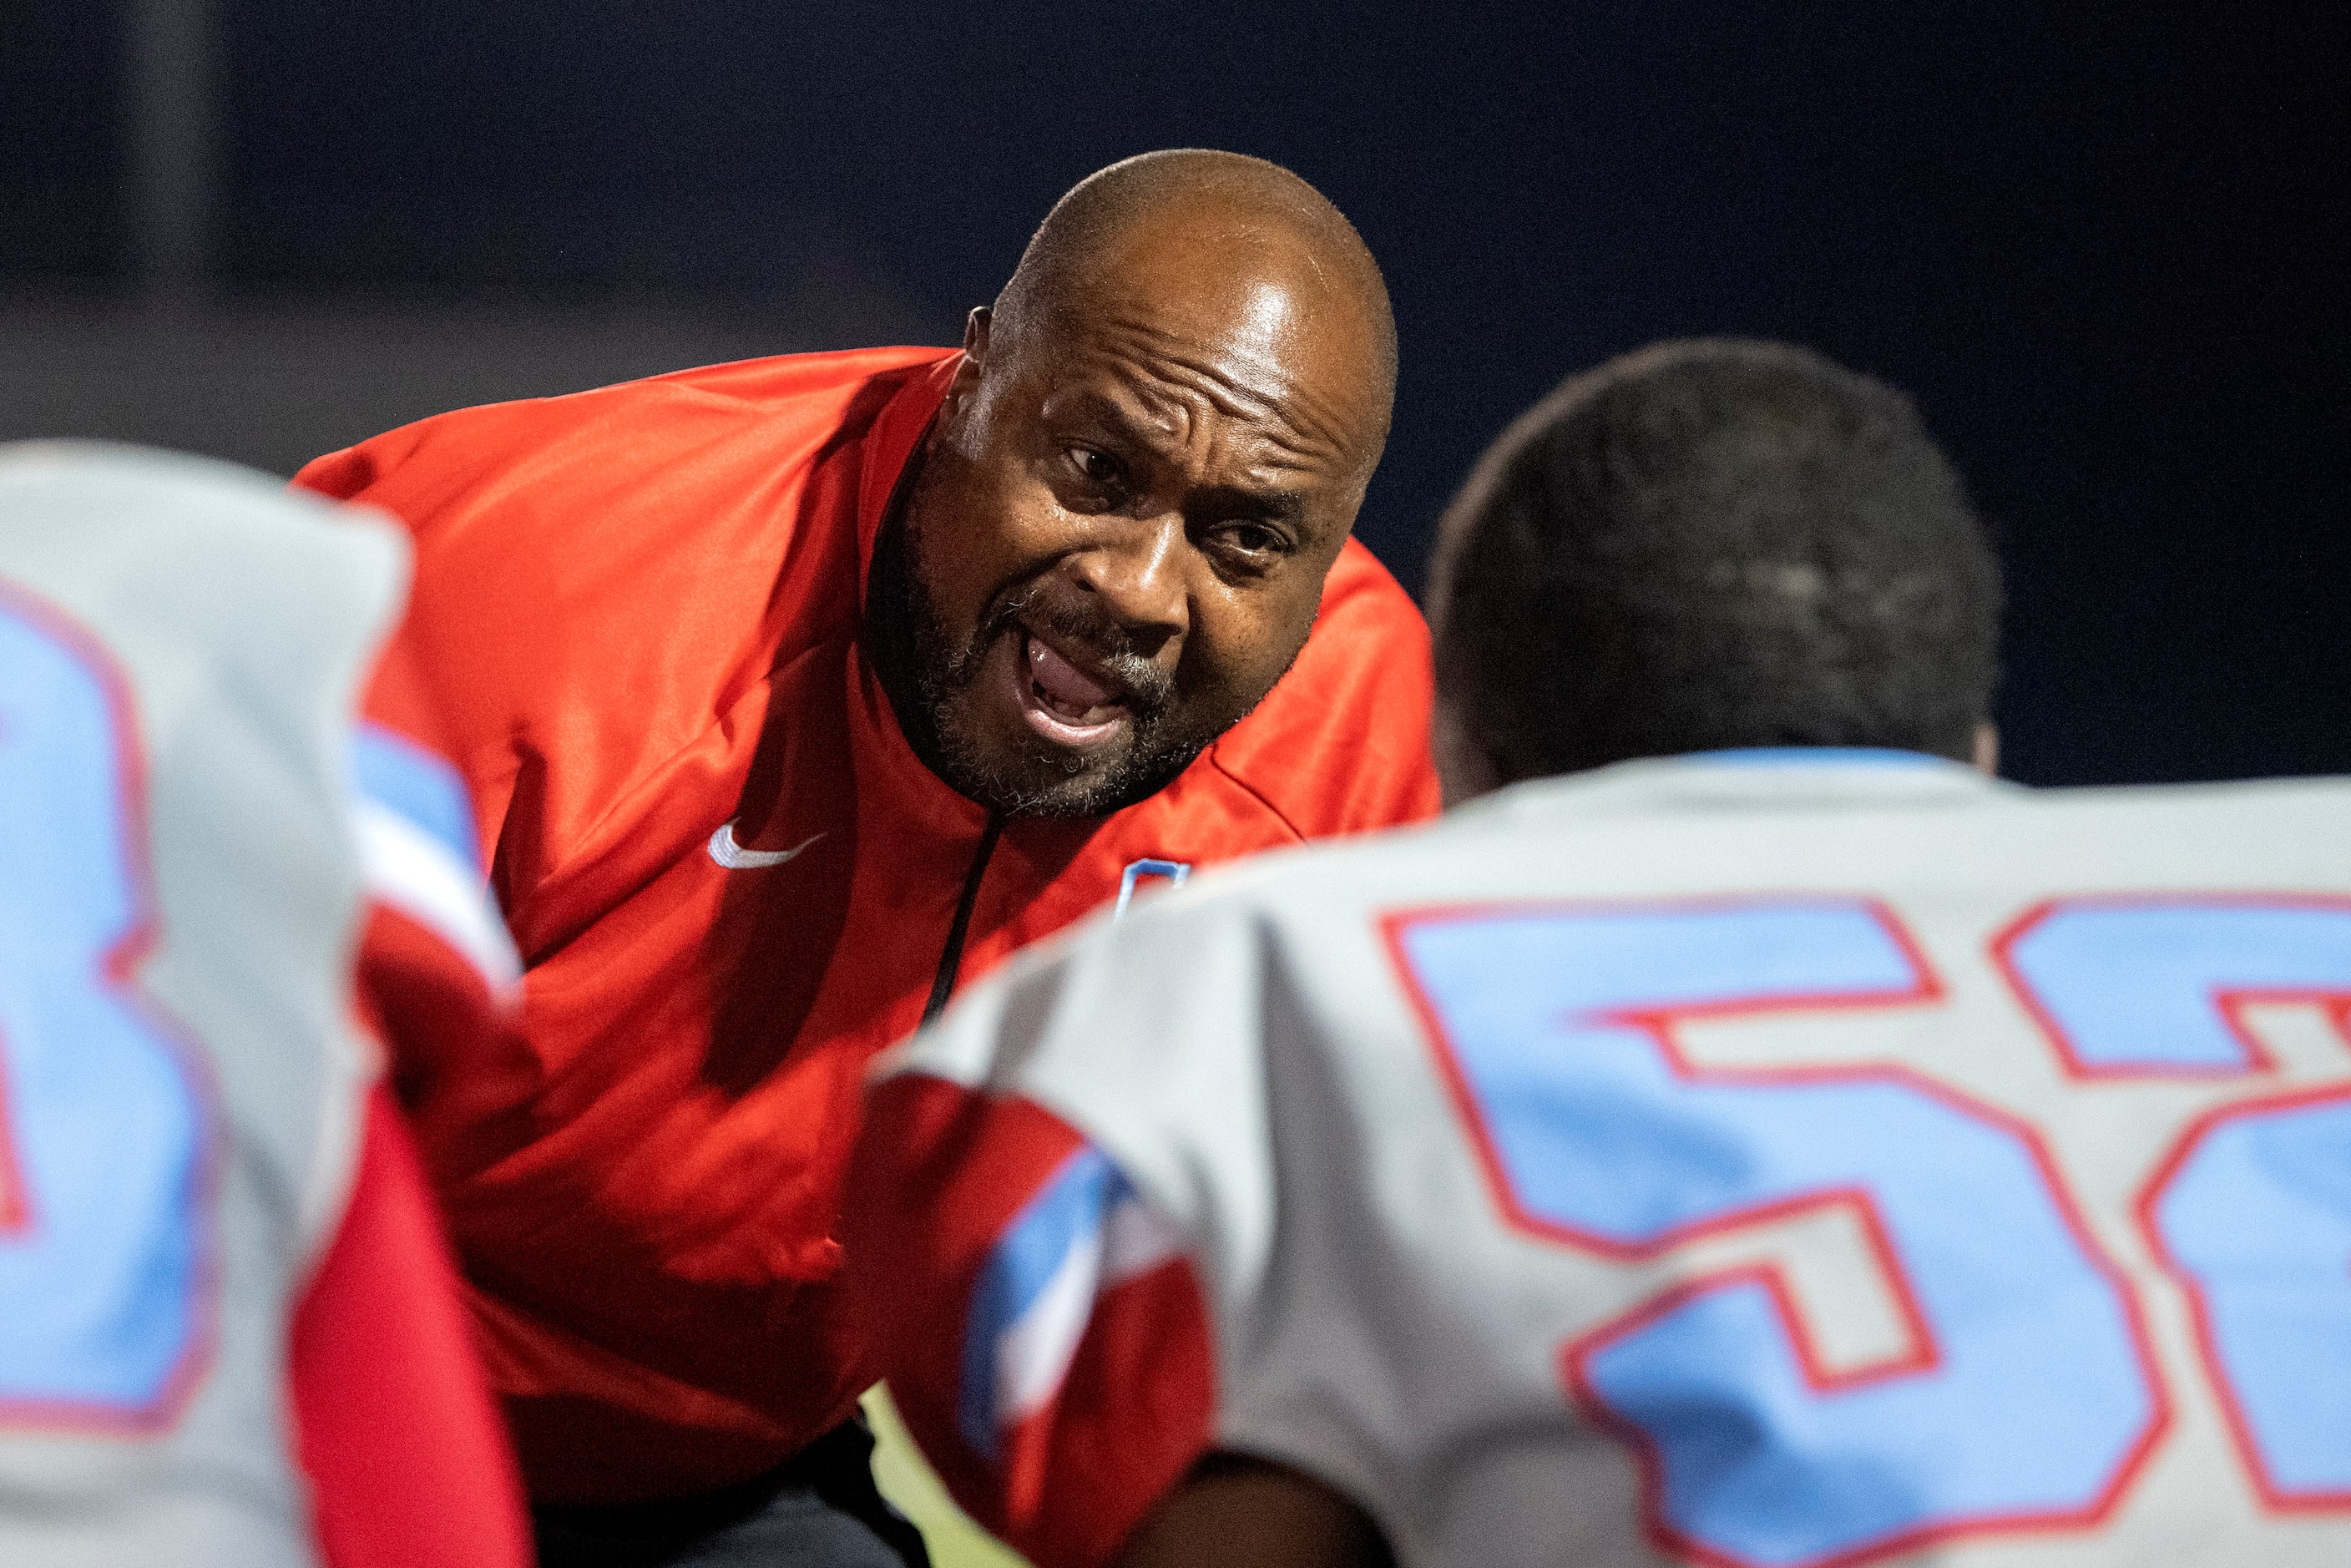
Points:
(1108, 645)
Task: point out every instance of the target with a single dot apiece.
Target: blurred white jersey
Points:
(192, 828)
(1792, 1158)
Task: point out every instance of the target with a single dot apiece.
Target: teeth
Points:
(1066, 690)
(1055, 705)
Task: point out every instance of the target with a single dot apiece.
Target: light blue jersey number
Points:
(104, 1137)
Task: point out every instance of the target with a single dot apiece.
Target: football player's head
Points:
(1709, 544)
(1115, 538)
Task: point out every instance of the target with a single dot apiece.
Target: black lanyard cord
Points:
(951, 960)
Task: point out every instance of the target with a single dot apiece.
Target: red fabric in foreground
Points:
(942, 1175)
(405, 1454)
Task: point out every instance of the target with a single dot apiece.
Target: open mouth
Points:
(1060, 701)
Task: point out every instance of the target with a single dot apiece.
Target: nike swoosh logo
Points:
(735, 857)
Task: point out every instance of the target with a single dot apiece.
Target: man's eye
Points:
(1252, 538)
(1098, 468)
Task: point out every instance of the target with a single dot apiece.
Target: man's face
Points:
(1117, 541)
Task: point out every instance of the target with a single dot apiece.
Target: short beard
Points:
(928, 678)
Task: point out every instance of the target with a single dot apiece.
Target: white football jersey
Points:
(1787, 1159)
(192, 828)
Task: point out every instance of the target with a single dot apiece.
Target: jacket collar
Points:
(889, 777)
(890, 448)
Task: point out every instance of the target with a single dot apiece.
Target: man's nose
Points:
(1136, 569)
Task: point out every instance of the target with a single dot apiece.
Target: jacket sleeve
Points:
(579, 601)
(1342, 745)
(438, 977)
(407, 1461)
(1048, 1343)
(466, 630)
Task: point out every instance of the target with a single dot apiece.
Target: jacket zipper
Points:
(951, 960)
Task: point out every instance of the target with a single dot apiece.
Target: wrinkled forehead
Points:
(1239, 319)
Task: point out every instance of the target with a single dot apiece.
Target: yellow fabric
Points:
(907, 1482)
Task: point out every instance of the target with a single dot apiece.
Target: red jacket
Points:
(639, 608)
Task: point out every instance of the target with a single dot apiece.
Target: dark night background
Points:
(2092, 241)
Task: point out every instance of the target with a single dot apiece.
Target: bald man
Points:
(793, 692)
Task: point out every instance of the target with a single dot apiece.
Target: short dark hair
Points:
(1707, 543)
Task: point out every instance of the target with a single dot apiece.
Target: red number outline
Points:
(119, 970)
(14, 1213)
(1923, 1355)
(2229, 1002)
(2191, 1288)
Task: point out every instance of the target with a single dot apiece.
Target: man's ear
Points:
(966, 386)
(977, 330)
